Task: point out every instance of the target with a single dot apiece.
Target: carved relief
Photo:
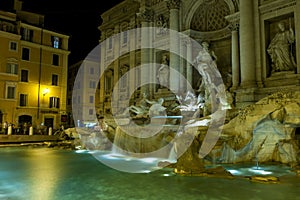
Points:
(146, 15)
(234, 26)
(173, 4)
(162, 24)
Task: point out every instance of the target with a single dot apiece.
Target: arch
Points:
(192, 7)
(25, 118)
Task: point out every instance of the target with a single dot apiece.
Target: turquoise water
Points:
(33, 173)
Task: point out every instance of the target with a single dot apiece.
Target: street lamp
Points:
(45, 91)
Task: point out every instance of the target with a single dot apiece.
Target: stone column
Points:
(297, 35)
(132, 34)
(145, 16)
(174, 6)
(247, 44)
(101, 71)
(235, 56)
(183, 66)
(116, 53)
(189, 67)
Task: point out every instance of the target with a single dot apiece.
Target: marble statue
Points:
(211, 81)
(280, 49)
(163, 72)
(144, 108)
(157, 108)
(205, 46)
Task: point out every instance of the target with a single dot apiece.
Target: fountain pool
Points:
(35, 173)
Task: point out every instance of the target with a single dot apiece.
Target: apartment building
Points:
(33, 70)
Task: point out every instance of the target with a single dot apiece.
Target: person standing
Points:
(25, 128)
(5, 127)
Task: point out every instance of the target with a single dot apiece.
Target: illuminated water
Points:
(47, 174)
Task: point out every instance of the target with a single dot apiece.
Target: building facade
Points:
(33, 71)
(255, 55)
(87, 74)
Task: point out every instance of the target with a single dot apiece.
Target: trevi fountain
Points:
(201, 133)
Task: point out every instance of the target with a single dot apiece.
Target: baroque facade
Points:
(33, 70)
(251, 48)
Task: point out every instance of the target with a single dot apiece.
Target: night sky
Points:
(79, 19)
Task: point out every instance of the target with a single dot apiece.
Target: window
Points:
(92, 84)
(12, 68)
(56, 42)
(54, 102)
(24, 75)
(55, 60)
(91, 99)
(27, 34)
(91, 111)
(92, 71)
(23, 99)
(54, 79)
(109, 43)
(25, 53)
(125, 37)
(11, 92)
(13, 46)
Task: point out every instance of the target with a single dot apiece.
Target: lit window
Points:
(24, 75)
(54, 102)
(55, 59)
(23, 99)
(56, 41)
(12, 68)
(25, 53)
(13, 46)
(54, 79)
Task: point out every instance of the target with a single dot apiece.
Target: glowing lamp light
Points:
(45, 91)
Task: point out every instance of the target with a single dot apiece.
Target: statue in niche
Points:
(280, 49)
(163, 72)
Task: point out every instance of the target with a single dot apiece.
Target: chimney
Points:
(18, 5)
